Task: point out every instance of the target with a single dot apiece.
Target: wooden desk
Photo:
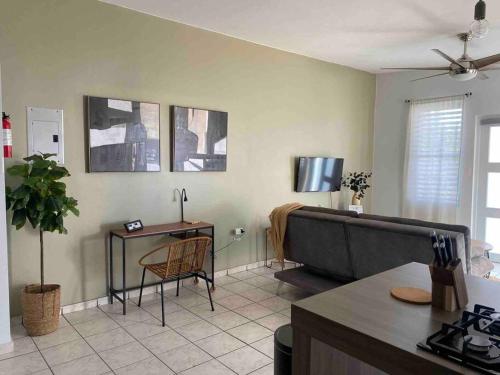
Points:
(360, 328)
(179, 229)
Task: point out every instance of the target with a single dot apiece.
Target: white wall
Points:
(4, 261)
(389, 138)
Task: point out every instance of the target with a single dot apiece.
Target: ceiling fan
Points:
(465, 68)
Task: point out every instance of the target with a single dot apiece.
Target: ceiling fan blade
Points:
(482, 76)
(450, 59)
(485, 61)
(435, 75)
(489, 69)
(423, 68)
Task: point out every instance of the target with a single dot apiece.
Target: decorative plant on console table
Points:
(357, 182)
(41, 200)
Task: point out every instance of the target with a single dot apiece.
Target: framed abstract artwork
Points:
(198, 140)
(123, 135)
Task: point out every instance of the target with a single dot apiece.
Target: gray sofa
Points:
(344, 246)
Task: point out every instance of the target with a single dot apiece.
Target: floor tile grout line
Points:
(198, 316)
(41, 355)
(251, 320)
(245, 344)
(95, 351)
(203, 319)
(222, 331)
(140, 343)
(18, 355)
(144, 346)
(253, 302)
(190, 343)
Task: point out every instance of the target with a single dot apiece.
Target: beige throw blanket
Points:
(278, 219)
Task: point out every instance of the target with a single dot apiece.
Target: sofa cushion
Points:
(307, 279)
(319, 240)
(376, 246)
(332, 211)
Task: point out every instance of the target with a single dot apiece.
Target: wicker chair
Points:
(184, 259)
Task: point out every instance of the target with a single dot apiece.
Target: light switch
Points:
(45, 132)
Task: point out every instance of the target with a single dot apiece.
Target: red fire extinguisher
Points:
(7, 136)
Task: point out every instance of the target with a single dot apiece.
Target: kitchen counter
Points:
(360, 328)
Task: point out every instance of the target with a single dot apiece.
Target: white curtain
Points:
(432, 159)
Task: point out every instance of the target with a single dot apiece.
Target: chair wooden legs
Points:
(208, 289)
(162, 305)
(142, 285)
(178, 280)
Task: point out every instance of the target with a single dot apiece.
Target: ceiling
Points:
(363, 34)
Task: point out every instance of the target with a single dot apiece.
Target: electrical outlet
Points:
(238, 233)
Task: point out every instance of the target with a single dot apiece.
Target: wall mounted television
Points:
(316, 174)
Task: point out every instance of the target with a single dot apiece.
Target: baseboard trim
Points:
(152, 289)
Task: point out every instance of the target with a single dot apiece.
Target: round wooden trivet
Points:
(412, 295)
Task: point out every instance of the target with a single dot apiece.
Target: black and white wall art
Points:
(123, 135)
(198, 140)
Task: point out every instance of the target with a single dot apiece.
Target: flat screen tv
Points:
(318, 174)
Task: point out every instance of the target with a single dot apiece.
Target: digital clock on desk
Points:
(133, 226)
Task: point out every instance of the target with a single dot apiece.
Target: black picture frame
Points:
(133, 226)
(191, 149)
(131, 139)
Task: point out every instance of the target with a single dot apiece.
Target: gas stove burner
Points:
(478, 343)
(473, 341)
(495, 316)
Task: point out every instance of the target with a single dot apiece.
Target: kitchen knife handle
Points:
(449, 249)
(435, 248)
(442, 250)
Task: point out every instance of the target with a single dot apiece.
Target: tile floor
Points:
(236, 338)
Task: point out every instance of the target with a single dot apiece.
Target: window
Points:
(432, 160)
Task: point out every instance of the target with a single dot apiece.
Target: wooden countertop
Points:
(364, 321)
(153, 230)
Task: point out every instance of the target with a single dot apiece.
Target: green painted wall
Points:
(281, 105)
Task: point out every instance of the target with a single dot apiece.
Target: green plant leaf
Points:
(33, 157)
(42, 164)
(34, 218)
(19, 170)
(75, 211)
(58, 172)
(21, 203)
(47, 156)
(38, 172)
(8, 198)
(40, 198)
(19, 218)
(58, 188)
(21, 192)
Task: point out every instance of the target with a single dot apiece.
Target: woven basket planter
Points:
(41, 309)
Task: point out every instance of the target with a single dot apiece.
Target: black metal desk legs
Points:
(124, 278)
(213, 258)
(111, 267)
(111, 274)
(121, 294)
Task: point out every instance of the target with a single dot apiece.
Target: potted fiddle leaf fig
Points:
(41, 200)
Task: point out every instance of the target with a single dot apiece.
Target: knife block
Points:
(449, 291)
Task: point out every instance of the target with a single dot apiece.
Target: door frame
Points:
(5, 337)
(477, 229)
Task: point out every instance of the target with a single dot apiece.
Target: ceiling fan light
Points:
(464, 76)
(479, 28)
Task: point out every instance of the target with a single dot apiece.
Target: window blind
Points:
(433, 153)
